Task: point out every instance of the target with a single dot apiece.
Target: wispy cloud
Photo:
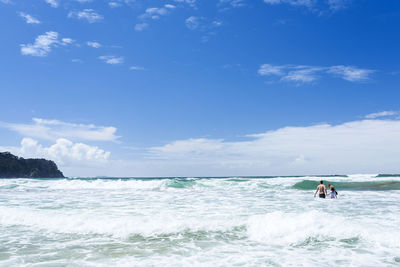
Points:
(306, 74)
(114, 4)
(302, 74)
(192, 22)
(169, 6)
(268, 69)
(28, 18)
(153, 13)
(93, 44)
(43, 44)
(381, 114)
(120, 3)
(350, 73)
(52, 3)
(141, 26)
(191, 3)
(137, 68)
(77, 60)
(156, 12)
(87, 14)
(5, 1)
(54, 129)
(202, 24)
(67, 41)
(233, 3)
(113, 60)
(307, 3)
(338, 4)
(314, 5)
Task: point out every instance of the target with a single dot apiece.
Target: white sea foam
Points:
(295, 228)
(59, 221)
(195, 222)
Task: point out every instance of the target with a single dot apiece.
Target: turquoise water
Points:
(232, 221)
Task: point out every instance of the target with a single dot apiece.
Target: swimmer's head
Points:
(321, 182)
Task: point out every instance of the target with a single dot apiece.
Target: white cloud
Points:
(203, 24)
(192, 22)
(72, 158)
(137, 68)
(43, 44)
(28, 18)
(94, 44)
(55, 129)
(154, 12)
(306, 3)
(114, 4)
(337, 4)
(113, 60)
(303, 75)
(381, 114)
(353, 147)
(195, 146)
(63, 151)
(233, 3)
(350, 73)
(169, 6)
(141, 26)
(67, 41)
(191, 3)
(119, 3)
(77, 60)
(307, 74)
(88, 14)
(268, 69)
(217, 23)
(273, 2)
(362, 146)
(314, 5)
(52, 3)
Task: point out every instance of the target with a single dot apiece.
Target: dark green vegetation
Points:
(14, 167)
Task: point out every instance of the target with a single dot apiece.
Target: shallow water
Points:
(203, 222)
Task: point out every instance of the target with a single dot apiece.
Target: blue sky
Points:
(193, 88)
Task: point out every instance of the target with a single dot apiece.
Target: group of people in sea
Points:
(321, 189)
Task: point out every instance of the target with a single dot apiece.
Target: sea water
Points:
(233, 221)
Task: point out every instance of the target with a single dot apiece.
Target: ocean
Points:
(231, 221)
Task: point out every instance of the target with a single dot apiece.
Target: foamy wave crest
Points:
(279, 228)
(106, 184)
(122, 226)
(378, 185)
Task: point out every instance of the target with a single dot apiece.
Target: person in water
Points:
(321, 189)
(334, 193)
(332, 188)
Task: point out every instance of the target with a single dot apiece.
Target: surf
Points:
(351, 185)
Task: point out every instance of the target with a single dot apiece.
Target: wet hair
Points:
(321, 182)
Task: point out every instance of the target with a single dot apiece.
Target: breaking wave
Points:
(365, 185)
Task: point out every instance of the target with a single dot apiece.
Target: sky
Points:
(202, 88)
